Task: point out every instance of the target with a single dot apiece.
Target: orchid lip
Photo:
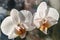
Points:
(20, 30)
(44, 26)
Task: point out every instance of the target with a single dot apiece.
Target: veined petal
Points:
(42, 9)
(28, 15)
(40, 14)
(53, 16)
(8, 28)
(6, 25)
(28, 20)
(53, 13)
(29, 27)
(15, 16)
(12, 34)
(37, 20)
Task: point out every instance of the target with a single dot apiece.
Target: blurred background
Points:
(31, 5)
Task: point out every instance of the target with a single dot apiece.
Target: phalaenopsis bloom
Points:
(45, 17)
(17, 24)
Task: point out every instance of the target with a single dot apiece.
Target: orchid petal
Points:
(42, 9)
(5, 26)
(8, 28)
(37, 20)
(15, 16)
(53, 16)
(40, 14)
(29, 27)
(12, 34)
(28, 15)
(28, 20)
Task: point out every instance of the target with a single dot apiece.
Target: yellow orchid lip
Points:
(44, 26)
(21, 30)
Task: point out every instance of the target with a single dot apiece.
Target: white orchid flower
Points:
(14, 25)
(28, 20)
(45, 17)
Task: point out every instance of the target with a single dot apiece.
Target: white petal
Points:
(53, 13)
(37, 20)
(12, 34)
(37, 24)
(53, 16)
(16, 16)
(7, 27)
(29, 27)
(28, 20)
(42, 9)
(40, 14)
(28, 15)
(37, 16)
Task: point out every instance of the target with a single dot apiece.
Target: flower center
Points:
(44, 26)
(20, 30)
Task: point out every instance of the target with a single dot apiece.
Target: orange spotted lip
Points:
(21, 30)
(44, 26)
